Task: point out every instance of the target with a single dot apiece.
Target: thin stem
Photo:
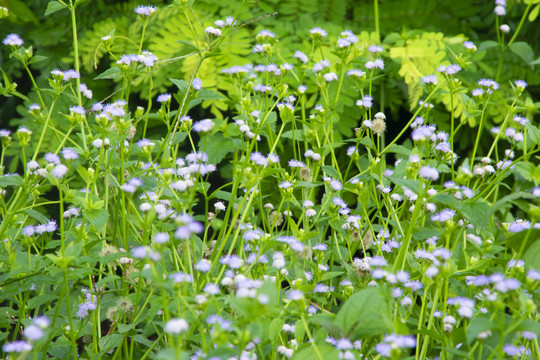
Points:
(376, 16)
(518, 29)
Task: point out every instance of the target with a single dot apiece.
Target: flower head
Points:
(13, 40)
(145, 10)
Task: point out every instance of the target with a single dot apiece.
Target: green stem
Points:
(406, 127)
(40, 142)
(521, 23)
(480, 127)
(75, 49)
(376, 16)
(35, 86)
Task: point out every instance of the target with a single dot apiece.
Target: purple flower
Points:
(469, 45)
(444, 215)
(295, 295)
(59, 171)
(33, 332)
(429, 173)
(520, 84)
(197, 84)
(163, 98)
(17, 346)
(13, 40)
(203, 125)
(145, 10)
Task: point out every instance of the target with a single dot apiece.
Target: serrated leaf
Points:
(399, 149)
(96, 217)
(297, 134)
(11, 180)
(182, 85)
(487, 45)
(39, 300)
(36, 215)
(307, 184)
(54, 6)
(275, 328)
(477, 213)
(206, 94)
(525, 169)
(330, 171)
(189, 45)
(365, 313)
(112, 73)
(325, 351)
(523, 50)
(532, 255)
(109, 342)
(217, 147)
(220, 194)
(37, 58)
(331, 275)
(179, 138)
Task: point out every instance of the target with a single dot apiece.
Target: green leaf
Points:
(19, 10)
(365, 313)
(179, 137)
(523, 50)
(112, 73)
(307, 184)
(11, 180)
(96, 217)
(143, 340)
(39, 300)
(190, 46)
(217, 147)
(331, 171)
(487, 45)
(54, 6)
(297, 134)
(410, 184)
(37, 58)
(478, 325)
(220, 194)
(206, 94)
(36, 215)
(325, 351)
(327, 321)
(532, 255)
(534, 13)
(109, 342)
(331, 275)
(477, 213)
(525, 169)
(276, 325)
(182, 85)
(73, 250)
(399, 149)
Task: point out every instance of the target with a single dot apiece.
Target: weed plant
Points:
(271, 232)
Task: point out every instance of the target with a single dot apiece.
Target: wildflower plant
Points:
(271, 229)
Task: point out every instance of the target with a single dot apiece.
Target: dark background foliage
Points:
(399, 21)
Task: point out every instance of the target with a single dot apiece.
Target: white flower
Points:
(213, 31)
(59, 171)
(176, 326)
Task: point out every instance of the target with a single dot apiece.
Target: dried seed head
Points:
(279, 219)
(379, 126)
(368, 239)
(125, 304)
(111, 312)
(306, 253)
(306, 174)
(108, 250)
